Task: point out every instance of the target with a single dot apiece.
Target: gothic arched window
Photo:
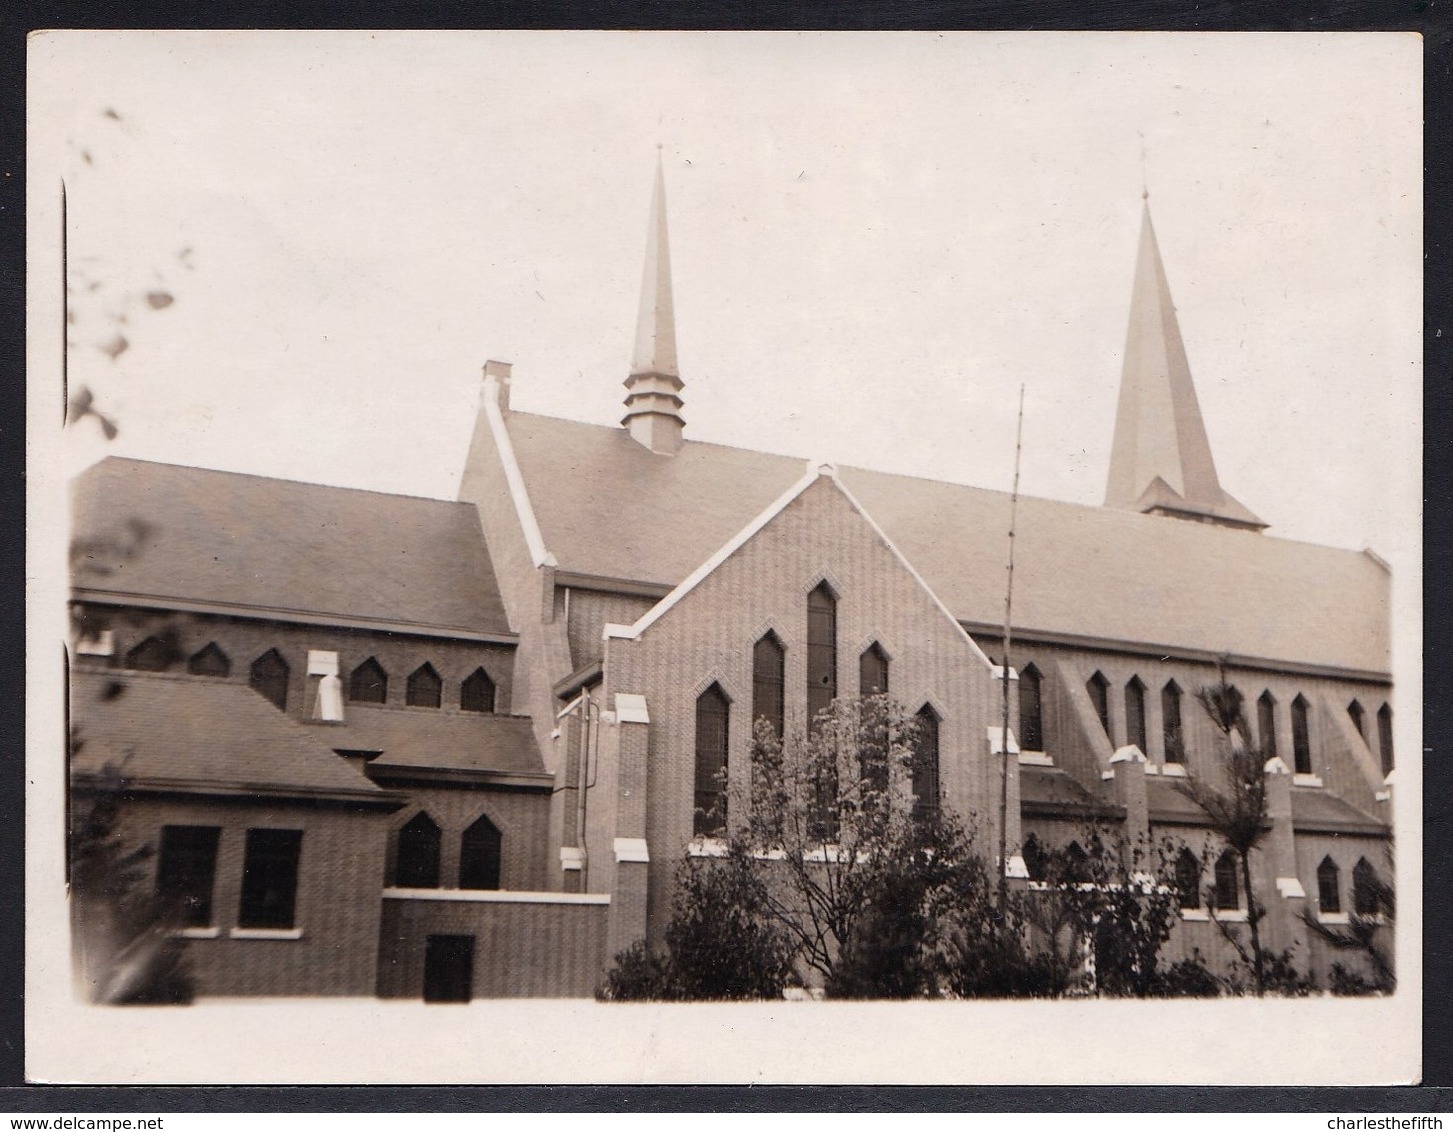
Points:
(1135, 714)
(1188, 879)
(769, 663)
(209, 661)
(269, 677)
(1099, 689)
(1170, 723)
(1301, 739)
(1031, 711)
(1266, 724)
(424, 688)
(1329, 886)
(925, 762)
(477, 692)
(1228, 885)
(712, 711)
(873, 671)
(481, 855)
(369, 683)
(416, 864)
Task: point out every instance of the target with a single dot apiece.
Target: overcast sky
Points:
(875, 240)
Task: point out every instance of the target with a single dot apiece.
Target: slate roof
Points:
(1167, 804)
(1047, 791)
(608, 507)
(1320, 811)
(439, 739)
(276, 546)
(219, 738)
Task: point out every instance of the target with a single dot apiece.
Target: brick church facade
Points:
(399, 746)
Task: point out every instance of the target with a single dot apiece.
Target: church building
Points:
(413, 747)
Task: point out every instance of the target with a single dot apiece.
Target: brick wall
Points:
(522, 948)
(708, 636)
(522, 817)
(340, 874)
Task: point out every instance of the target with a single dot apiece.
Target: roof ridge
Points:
(848, 469)
(115, 459)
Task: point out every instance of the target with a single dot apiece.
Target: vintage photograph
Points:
(881, 557)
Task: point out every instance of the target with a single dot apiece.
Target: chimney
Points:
(653, 403)
(500, 372)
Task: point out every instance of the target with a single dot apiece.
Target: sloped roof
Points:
(1167, 803)
(1320, 811)
(439, 739)
(218, 737)
(608, 507)
(277, 547)
(1049, 791)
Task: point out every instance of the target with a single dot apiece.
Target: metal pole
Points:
(1004, 671)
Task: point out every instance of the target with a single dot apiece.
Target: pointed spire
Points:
(652, 402)
(1161, 459)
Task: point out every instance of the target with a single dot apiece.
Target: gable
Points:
(609, 508)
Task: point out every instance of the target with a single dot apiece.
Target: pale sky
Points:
(875, 240)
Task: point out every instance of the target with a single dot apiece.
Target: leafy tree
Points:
(126, 948)
(1099, 899)
(719, 944)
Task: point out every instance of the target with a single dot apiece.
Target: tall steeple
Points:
(653, 404)
(1161, 459)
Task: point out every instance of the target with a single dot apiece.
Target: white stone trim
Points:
(266, 933)
(1035, 758)
(1199, 915)
(1290, 888)
(1382, 796)
(632, 849)
(1128, 754)
(534, 540)
(1232, 915)
(198, 933)
(568, 708)
(996, 741)
(815, 470)
(1174, 770)
(322, 662)
(1333, 917)
(695, 578)
(1276, 765)
(631, 708)
(572, 858)
(1306, 780)
(707, 847)
(495, 896)
(997, 672)
(912, 570)
(1016, 869)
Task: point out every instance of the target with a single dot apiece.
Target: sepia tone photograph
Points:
(724, 557)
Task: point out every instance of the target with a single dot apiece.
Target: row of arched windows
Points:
(769, 683)
(416, 863)
(269, 674)
(1368, 890)
(1098, 688)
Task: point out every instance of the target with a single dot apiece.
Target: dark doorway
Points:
(448, 968)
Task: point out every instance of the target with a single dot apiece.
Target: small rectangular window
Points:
(270, 878)
(186, 868)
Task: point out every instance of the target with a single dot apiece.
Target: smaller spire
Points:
(653, 404)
